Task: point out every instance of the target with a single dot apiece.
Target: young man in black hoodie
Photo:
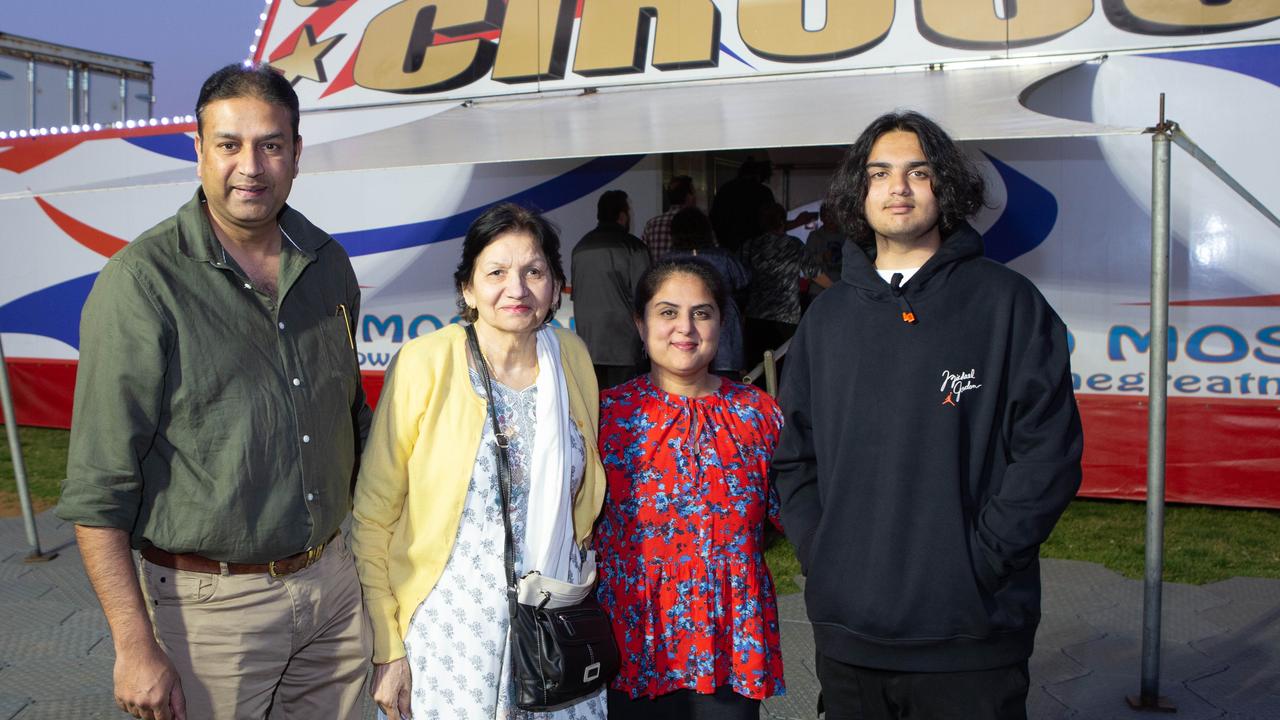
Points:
(931, 443)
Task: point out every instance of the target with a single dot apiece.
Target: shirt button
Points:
(296, 382)
(281, 326)
(306, 438)
(311, 496)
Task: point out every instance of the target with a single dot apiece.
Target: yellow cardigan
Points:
(417, 465)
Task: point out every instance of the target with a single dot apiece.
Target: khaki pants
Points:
(253, 646)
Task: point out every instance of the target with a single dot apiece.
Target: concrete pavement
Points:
(1221, 646)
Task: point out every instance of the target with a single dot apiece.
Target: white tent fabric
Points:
(972, 104)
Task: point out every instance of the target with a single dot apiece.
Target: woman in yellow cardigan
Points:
(428, 529)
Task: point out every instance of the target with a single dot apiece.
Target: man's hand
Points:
(391, 687)
(146, 684)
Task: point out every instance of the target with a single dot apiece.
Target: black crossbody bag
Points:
(562, 646)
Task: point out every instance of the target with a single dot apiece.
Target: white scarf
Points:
(549, 536)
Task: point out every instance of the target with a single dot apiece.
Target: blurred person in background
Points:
(776, 262)
(826, 245)
(691, 232)
(606, 264)
(657, 236)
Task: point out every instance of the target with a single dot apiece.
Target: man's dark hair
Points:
(611, 204)
(679, 188)
(653, 278)
(759, 170)
(498, 220)
(957, 185)
(257, 81)
(691, 230)
(773, 217)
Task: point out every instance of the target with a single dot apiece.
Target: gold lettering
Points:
(1188, 17)
(774, 29)
(974, 23)
(613, 36)
(314, 3)
(535, 41)
(400, 53)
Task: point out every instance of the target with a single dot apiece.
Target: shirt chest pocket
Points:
(332, 354)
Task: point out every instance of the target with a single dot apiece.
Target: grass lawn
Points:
(44, 455)
(1202, 544)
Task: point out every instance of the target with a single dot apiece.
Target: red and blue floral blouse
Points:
(680, 541)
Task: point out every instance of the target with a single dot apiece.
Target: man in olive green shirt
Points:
(218, 417)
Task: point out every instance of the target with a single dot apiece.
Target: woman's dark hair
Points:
(691, 230)
(957, 185)
(664, 270)
(238, 80)
(498, 220)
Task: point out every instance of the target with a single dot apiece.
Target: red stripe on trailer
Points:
(1219, 451)
(100, 242)
(43, 390)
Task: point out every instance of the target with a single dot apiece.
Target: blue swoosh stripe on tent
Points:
(52, 312)
(179, 146)
(1030, 212)
(725, 49)
(1261, 61)
(554, 193)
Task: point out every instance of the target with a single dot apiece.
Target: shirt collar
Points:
(197, 241)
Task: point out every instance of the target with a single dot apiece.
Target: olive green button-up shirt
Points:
(208, 417)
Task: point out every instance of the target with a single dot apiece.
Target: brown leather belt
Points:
(202, 564)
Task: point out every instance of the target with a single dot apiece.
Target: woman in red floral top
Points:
(679, 544)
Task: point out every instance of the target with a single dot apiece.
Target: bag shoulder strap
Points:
(504, 467)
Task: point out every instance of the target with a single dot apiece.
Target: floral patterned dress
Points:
(679, 544)
(459, 658)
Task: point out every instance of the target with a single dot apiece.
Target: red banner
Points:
(42, 391)
(1219, 452)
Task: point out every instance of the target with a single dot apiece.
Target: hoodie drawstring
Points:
(908, 315)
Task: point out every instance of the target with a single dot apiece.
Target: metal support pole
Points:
(19, 468)
(1149, 696)
(770, 374)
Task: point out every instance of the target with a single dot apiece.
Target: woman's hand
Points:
(391, 688)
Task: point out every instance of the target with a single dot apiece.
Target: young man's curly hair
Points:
(957, 184)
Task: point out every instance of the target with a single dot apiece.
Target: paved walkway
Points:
(1221, 655)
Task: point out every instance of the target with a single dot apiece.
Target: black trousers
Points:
(725, 704)
(850, 692)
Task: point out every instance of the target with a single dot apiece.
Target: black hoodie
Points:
(931, 442)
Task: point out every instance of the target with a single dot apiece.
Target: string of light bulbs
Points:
(79, 129)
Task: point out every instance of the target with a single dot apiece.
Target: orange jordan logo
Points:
(956, 384)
